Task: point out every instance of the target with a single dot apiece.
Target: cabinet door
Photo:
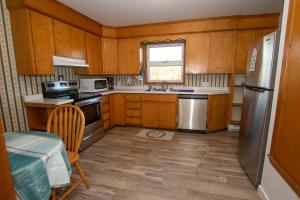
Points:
(197, 46)
(221, 51)
(42, 36)
(285, 148)
(129, 56)
(150, 114)
(62, 39)
(244, 41)
(167, 117)
(110, 56)
(119, 109)
(216, 112)
(259, 34)
(78, 46)
(94, 54)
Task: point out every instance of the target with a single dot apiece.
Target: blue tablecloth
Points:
(38, 162)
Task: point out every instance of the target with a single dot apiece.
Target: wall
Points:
(14, 87)
(273, 186)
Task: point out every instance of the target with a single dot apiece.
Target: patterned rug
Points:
(156, 134)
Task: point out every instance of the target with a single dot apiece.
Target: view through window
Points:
(165, 62)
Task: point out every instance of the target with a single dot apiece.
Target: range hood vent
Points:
(69, 62)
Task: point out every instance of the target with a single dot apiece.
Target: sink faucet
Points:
(164, 86)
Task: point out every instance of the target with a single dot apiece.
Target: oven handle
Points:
(88, 102)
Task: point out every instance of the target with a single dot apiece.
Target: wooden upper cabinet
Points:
(93, 55)
(221, 51)
(197, 50)
(78, 44)
(245, 39)
(33, 42)
(259, 34)
(129, 56)
(110, 55)
(62, 39)
(69, 41)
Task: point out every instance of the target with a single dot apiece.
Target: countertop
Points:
(143, 90)
(39, 99)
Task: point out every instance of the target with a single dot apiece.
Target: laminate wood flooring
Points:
(122, 166)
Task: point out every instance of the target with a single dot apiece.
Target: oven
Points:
(92, 110)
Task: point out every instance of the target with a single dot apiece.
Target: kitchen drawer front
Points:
(168, 98)
(133, 105)
(105, 99)
(160, 98)
(132, 97)
(106, 116)
(133, 120)
(133, 113)
(105, 108)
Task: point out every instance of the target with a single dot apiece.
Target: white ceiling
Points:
(132, 12)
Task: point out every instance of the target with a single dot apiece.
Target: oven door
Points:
(100, 84)
(91, 109)
(93, 121)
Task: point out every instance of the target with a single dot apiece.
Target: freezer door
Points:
(262, 73)
(253, 132)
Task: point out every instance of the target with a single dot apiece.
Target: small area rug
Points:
(156, 134)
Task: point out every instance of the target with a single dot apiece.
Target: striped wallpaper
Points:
(14, 87)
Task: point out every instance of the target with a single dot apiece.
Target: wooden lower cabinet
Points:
(150, 114)
(133, 109)
(217, 112)
(37, 115)
(119, 109)
(167, 115)
(159, 111)
(106, 112)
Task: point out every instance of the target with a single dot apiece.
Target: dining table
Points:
(38, 162)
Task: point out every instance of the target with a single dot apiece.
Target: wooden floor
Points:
(123, 166)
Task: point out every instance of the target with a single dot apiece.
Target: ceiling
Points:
(133, 12)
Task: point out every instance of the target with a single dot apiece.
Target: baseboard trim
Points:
(262, 194)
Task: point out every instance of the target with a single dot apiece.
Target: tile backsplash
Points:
(14, 87)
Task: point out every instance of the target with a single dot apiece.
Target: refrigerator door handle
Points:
(257, 89)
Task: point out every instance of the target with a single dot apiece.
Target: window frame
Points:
(164, 63)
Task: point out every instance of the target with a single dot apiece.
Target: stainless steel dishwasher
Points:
(192, 112)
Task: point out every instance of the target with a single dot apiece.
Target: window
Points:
(165, 62)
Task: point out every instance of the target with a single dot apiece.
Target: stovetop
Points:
(75, 96)
(66, 90)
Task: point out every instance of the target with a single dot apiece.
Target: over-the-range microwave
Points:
(93, 85)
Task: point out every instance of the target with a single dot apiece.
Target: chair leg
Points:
(85, 181)
(53, 194)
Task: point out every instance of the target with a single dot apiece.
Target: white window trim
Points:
(165, 63)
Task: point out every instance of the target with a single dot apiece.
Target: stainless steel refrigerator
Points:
(258, 92)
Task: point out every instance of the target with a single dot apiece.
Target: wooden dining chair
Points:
(68, 122)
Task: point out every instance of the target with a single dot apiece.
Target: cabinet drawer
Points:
(168, 98)
(160, 98)
(133, 105)
(133, 113)
(106, 124)
(132, 97)
(105, 108)
(150, 97)
(133, 120)
(106, 116)
(105, 100)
